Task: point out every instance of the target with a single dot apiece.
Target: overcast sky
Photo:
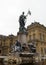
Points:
(10, 10)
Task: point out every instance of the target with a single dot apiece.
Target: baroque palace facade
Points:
(36, 34)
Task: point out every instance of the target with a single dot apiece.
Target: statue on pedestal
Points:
(22, 30)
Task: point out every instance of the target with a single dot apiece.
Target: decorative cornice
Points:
(36, 24)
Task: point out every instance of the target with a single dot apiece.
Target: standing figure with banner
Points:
(22, 20)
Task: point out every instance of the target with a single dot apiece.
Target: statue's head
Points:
(23, 13)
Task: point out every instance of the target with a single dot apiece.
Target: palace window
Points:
(34, 36)
(45, 50)
(41, 36)
(0, 42)
(29, 37)
(0, 51)
(41, 50)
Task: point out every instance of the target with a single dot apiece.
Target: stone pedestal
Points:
(22, 37)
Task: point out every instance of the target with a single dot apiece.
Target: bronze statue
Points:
(22, 21)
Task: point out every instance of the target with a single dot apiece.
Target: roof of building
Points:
(36, 24)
